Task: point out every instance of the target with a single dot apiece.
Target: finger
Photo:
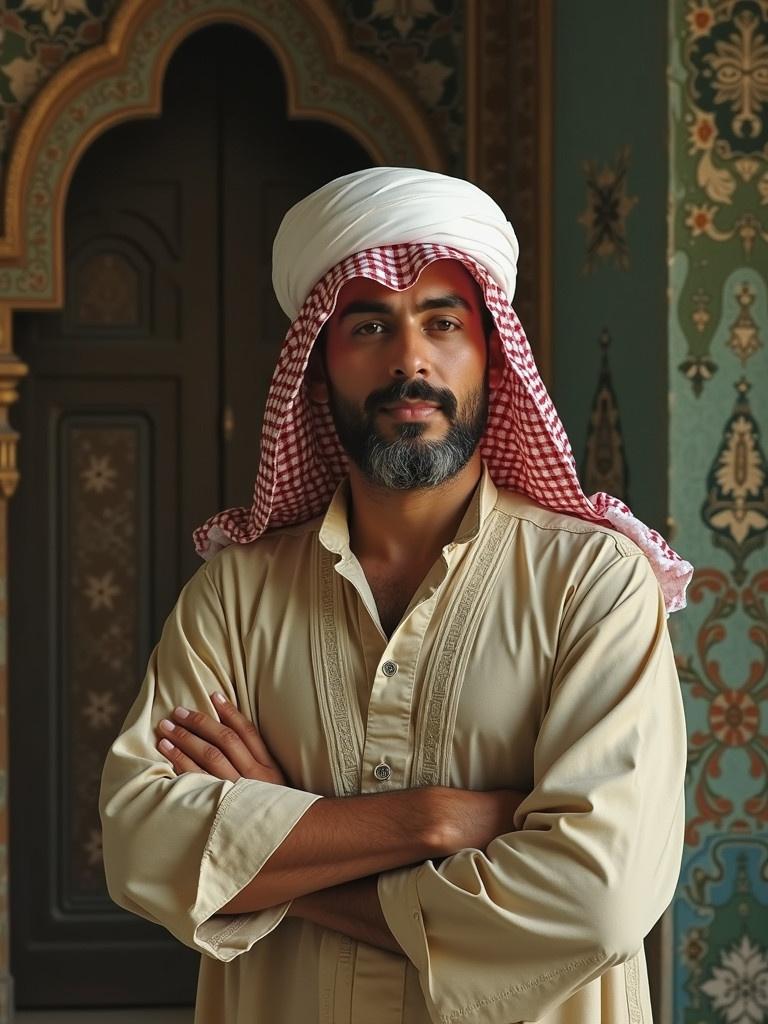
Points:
(209, 753)
(179, 760)
(244, 727)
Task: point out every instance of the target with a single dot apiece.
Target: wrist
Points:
(437, 833)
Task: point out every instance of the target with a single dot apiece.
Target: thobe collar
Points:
(334, 531)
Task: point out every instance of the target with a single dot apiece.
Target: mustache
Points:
(412, 390)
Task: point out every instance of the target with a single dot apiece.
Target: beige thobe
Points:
(534, 655)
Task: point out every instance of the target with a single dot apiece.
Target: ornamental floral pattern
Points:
(604, 467)
(733, 733)
(102, 599)
(421, 43)
(739, 988)
(718, 76)
(723, 951)
(722, 88)
(736, 507)
(744, 337)
(605, 216)
(36, 38)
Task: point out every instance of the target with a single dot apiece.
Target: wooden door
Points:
(170, 330)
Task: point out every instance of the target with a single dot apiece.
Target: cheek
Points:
(351, 370)
(468, 363)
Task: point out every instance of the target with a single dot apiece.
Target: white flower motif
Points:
(99, 475)
(739, 989)
(101, 591)
(92, 847)
(24, 76)
(55, 11)
(402, 12)
(430, 78)
(100, 709)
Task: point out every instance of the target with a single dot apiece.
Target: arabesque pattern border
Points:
(718, 372)
(122, 79)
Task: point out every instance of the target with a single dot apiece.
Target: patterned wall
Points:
(609, 266)
(718, 368)
(419, 41)
(36, 38)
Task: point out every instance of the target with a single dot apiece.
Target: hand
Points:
(230, 748)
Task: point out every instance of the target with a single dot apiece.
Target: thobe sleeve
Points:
(506, 934)
(178, 848)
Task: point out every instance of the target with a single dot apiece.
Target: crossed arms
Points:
(529, 904)
(327, 865)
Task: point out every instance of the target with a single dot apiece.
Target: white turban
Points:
(388, 206)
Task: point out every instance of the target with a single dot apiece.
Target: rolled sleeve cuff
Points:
(399, 899)
(252, 820)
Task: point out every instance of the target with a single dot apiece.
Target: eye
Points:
(444, 325)
(369, 327)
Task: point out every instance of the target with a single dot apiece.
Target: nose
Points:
(409, 353)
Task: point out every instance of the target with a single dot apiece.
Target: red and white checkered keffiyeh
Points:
(525, 445)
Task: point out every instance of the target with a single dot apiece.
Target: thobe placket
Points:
(361, 975)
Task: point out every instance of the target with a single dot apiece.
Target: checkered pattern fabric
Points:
(525, 445)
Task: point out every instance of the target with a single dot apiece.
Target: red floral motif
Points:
(703, 19)
(734, 718)
(734, 711)
(705, 131)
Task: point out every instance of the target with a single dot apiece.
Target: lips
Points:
(413, 406)
(411, 410)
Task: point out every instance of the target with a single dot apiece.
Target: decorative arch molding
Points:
(122, 79)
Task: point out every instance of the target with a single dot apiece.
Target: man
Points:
(411, 747)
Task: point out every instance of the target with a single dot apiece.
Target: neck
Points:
(396, 527)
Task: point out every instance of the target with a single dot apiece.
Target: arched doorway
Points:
(141, 417)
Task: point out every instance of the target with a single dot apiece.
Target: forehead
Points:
(441, 277)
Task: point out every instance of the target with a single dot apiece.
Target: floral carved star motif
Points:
(607, 208)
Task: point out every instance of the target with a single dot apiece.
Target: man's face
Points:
(407, 373)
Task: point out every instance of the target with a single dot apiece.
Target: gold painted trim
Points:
(109, 58)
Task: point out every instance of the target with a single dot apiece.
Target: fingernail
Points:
(181, 712)
(167, 725)
(219, 698)
(165, 746)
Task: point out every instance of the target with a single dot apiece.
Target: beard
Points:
(409, 463)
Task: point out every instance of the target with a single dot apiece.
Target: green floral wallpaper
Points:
(661, 192)
(718, 371)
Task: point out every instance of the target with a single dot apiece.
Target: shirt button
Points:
(382, 772)
(389, 668)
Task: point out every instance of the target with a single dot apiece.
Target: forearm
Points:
(352, 909)
(339, 840)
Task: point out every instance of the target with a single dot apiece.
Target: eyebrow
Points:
(451, 301)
